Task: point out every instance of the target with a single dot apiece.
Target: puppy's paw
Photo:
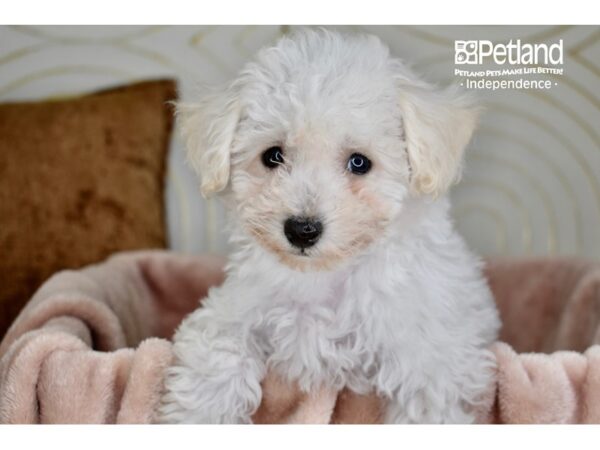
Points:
(227, 398)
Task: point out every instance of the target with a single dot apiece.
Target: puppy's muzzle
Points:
(302, 232)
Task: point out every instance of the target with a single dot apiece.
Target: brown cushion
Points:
(79, 180)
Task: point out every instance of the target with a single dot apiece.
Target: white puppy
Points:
(334, 160)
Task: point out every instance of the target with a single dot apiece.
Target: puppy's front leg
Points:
(424, 408)
(216, 374)
(455, 391)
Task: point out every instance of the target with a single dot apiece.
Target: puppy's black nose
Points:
(302, 232)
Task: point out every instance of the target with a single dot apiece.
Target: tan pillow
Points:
(79, 180)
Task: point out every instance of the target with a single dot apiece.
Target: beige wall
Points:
(532, 180)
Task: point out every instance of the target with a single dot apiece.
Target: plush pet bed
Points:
(92, 345)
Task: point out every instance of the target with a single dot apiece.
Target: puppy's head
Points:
(320, 140)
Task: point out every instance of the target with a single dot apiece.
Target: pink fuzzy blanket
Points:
(92, 346)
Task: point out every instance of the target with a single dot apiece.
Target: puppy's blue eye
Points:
(358, 164)
(272, 157)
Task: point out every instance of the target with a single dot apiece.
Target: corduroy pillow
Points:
(79, 179)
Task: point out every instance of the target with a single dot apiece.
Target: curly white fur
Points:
(390, 299)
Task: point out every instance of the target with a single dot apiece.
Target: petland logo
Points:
(514, 53)
(517, 65)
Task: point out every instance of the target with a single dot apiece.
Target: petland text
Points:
(514, 53)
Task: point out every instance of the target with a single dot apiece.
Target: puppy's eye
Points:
(358, 164)
(272, 157)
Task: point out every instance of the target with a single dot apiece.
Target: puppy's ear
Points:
(438, 125)
(208, 128)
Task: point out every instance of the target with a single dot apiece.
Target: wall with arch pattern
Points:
(532, 178)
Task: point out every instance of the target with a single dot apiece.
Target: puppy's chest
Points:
(320, 339)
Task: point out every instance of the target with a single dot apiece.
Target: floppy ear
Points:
(438, 125)
(208, 128)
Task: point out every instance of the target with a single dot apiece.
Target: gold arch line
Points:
(195, 43)
(64, 70)
(570, 82)
(238, 40)
(149, 55)
(514, 199)
(567, 111)
(211, 223)
(183, 206)
(419, 33)
(566, 143)
(580, 89)
(572, 149)
(38, 32)
(551, 240)
(575, 52)
(243, 50)
(22, 52)
(532, 148)
(586, 42)
(153, 56)
(501, 226)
